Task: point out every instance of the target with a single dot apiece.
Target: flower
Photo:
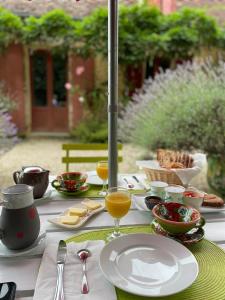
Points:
(68, 86)
(79, 70)
(81, 99)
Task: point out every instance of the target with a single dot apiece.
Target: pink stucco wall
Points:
(166, 6)
(12, 74)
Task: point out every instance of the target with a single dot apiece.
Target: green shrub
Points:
(180, 109)
(91, 131)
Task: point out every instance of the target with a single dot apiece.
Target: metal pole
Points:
(112, 90)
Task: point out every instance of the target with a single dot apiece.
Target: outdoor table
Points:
(24, 270)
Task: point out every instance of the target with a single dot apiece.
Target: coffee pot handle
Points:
(16, 175)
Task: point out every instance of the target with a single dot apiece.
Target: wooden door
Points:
(49, 97)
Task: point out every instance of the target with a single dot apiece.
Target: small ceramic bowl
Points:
(174, 193)
(157, 188)
(177, 218)
(70, 181)
(193, 198)
(151, 201)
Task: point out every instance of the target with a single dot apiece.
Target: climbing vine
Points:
(144, 32)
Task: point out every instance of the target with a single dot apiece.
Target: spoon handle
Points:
(84, 287)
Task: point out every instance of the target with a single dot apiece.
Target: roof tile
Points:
(72, 7)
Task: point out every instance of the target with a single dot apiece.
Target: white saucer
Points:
(36, 248)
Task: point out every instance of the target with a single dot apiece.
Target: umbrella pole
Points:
(112, 90)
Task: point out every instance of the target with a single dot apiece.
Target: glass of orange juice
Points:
(102, 171)
(117, 202)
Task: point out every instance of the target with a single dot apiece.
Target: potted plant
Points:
(182, 109)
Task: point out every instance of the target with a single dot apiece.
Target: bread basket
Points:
(165, 175)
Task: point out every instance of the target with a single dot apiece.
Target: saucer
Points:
(191, 237)
(36, 248)
(65, 192)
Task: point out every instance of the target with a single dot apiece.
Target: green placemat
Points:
(210, 284)
(94, 190)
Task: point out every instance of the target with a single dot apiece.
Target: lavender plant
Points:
(8, 130)
(179, 109)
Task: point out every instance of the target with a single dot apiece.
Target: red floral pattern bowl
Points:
(177, 218)
(70, 181)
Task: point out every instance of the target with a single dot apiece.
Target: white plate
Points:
(36, 248)
(207, 209)
(44, 198)
(139, 202)
(56, 220)
(148, 265)
(94, 179)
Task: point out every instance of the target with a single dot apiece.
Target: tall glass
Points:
(102, 171)
(117, 202)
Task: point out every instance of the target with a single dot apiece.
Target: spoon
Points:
(83, 254)
(129, 185)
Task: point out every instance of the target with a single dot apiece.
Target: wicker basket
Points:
(168, 176)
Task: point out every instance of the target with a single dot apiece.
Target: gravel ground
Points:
(47, 153)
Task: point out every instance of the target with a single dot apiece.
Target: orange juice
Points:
(102, 171)
(118, 204)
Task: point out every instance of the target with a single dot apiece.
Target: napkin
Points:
(99, 287)
(185, 175)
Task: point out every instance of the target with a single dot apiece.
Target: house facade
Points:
(41, 82)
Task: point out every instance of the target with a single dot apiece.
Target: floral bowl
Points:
(177, 218)
(193, 198)
(70, 181)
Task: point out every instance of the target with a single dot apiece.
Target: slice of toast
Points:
(212, 201)
(170, 159)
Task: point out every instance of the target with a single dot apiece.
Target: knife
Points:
(140, 183)
(61, 258)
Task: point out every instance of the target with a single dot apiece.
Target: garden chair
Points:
(70, 159)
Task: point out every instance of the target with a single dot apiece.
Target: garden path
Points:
(47, 153)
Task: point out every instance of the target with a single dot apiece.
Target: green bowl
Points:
(177, 218)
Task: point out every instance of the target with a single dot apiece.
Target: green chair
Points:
(70, 159)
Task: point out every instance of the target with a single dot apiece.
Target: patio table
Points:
(24, 270)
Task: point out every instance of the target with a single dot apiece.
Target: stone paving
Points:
(47, 153)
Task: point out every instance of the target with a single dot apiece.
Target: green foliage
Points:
(92, 33)
(180, 109)
(139, 27)
(53, 28)
(91, 130)
(187, 31)
(144, 32)
(11, 28)
(93, 127)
